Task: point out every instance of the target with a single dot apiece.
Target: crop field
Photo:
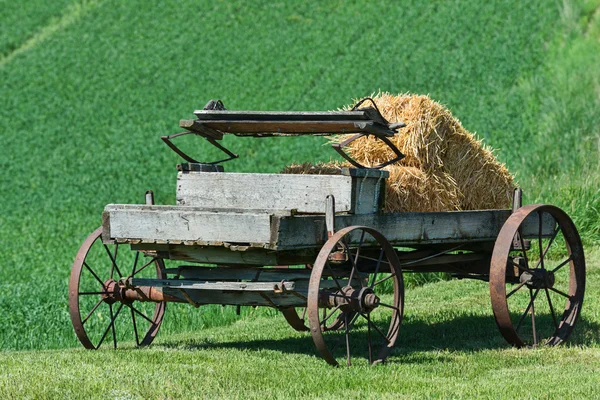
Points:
(87, 87)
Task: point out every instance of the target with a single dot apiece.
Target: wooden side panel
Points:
(303, 193)
(161, 224)
(407, 228)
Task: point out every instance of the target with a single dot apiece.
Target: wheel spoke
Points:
(540, 241)
(137, 338)
(355, 261)
(94, 274)
(347, 340)
(389, 306)
(372, 259)
(135, 262)
(551, 307)
(377, 268)
(336, 281)
(384, 279)
(140, 314)
(527, 309)
(112, 321)
(92, 311)
(556, 230)
(522, 268)
(560, 292)
(327, 316)
(375, 327)
(533, 320)
(562, 264)
(144, 266)
(114, 334)
(515, 289)
(114, 261)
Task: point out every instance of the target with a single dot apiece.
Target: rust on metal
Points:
(535, 278)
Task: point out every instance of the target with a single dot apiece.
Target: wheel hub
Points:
(538, 278)
(363, 300)
(114, 293)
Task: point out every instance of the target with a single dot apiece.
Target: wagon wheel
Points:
(531, 279)
(364, 282)
(97, 315)
(296, 317)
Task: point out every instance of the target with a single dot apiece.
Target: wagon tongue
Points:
(215, 121)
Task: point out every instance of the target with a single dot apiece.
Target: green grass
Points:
(87, 87)
(25, 21)
(449, 347)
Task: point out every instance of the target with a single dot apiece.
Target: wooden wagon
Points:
(318, 248)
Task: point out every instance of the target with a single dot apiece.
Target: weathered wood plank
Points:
(293, 127)
(239, 298)
(256, 274)
(303, 193)
(215, 286)
(405, 229)
(162, 224)
(211, 254)
(207, 115)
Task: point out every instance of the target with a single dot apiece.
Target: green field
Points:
(87, 87)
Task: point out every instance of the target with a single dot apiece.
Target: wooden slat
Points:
(303, 193)
(207, 115)
(161, 224)
(405, 229)
(190, 252)
(293, 127)
(239, 298)
(221, 286)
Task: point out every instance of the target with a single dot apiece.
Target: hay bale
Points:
(436, 143)
(321, 168)
(410, 189)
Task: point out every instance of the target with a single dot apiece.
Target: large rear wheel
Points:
(357, 277)
(537, 276)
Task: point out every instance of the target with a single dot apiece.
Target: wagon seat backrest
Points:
(358, 191)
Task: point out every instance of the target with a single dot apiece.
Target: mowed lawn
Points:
(449, 347)
(88, 86)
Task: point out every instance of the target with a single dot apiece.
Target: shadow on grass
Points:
(468, 333)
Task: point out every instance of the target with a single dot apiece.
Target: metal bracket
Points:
(211, 105)
(374, 111)
(517, 200)
(149, 197)
(167, 140)
(330, 215)
(340, 146)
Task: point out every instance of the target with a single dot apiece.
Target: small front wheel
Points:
(99, 315)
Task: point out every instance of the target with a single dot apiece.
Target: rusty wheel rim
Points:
(535, 275)
(368, 290)
(89, 297)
